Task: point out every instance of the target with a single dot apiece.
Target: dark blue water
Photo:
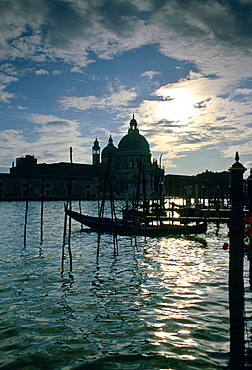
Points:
(159, 304)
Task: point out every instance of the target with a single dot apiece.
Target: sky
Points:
(73, 71)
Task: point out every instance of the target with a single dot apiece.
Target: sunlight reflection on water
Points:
(160, 304)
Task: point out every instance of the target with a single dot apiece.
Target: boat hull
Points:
(126, 228)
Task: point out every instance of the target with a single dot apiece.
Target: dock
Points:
(185, 219)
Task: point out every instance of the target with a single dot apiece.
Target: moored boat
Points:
(128, 228)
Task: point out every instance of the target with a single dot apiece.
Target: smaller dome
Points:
(109, 150)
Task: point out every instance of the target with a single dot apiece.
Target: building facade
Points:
(205, 185)
(49, 180)
(132, 167)
(131, 170)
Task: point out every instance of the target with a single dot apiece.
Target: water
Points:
(159, 304)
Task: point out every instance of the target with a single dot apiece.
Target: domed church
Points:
(130, 164)
(132, 173)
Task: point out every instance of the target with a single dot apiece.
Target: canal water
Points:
(159, 304)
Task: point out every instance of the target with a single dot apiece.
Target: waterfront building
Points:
(132, 165)
(51, 180)
(131, 169)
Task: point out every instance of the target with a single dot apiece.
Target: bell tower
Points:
(96, 152)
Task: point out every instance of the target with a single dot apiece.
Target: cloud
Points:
(51, 134)
(213, 101)
(56, 72)
(7, 79)
(11, 143)
(114, 100)
(52, 123)
(150, 74)
(8, 136)
(41, 72)
(196, 128)
(76, 70)
(211, 34)
(4, 95)
(8, 75)
(228, 22)
(69, 29)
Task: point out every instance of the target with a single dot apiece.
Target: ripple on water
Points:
(160, 304)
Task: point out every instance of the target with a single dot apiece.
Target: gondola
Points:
(128, 228)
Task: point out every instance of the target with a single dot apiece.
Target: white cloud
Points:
(77, 70)
(53, 138)
(56, 72)
(4, 95)
(7, 137)
(71, 28)
(113, 100)
(11, 144)
(176, 126)
(187, 31)
(41, 72)
(150, 74)
(7, 79)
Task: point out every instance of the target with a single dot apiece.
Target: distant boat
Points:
(152, 213)
(128, 228)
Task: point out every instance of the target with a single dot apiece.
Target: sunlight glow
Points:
(180, 107)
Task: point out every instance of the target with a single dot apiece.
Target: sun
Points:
(179, 106)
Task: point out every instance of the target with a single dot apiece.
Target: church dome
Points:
(133, 140)
(109, 150)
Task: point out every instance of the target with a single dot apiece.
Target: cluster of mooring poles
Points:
(27, 208)
(112, 209)
(68, 206)
(236, 252)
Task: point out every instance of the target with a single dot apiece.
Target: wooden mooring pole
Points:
(42, 212)
(70, 207)
(236, 257)
(69, 203)
(64, 239)
(26, 208)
